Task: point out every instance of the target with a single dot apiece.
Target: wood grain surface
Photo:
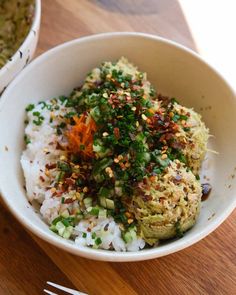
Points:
(24, 267)
(209, 267)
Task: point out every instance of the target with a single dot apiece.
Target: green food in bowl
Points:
(15, 22)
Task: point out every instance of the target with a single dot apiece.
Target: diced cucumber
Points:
(93, 211)
(95, 113)
(102, 213)
(67, 233)
(106, 203)
(65, 214)
(102, 201)
(110, 204)
(129, 235)
(88, 202)
(60, 227)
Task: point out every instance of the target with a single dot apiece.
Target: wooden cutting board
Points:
(209, 267)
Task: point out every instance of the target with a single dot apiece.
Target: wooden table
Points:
(26, 263)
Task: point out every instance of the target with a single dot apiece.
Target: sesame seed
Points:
(120, 157)
(164, 156)
(74, 175)
(127, 214)
(133, 109)
(53, 190)
(47, 173)
(108, 169)
(85, 189)
(105, 134)
(144, 117)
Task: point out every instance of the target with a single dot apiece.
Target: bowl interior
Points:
(174, 71)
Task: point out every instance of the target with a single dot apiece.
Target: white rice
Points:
(41, 151)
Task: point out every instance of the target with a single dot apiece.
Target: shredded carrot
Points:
(80, 136)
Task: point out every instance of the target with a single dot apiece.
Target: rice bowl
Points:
(56, 85)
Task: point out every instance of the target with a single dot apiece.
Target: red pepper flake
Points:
(147, 198)
(50, 166)
(41, 178)
(117, 132)
(69, 181)
(59, 146)
(145, 181)
(68, 201)
(162, 200)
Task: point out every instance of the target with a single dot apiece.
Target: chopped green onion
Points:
(93, 211)
(29, 108)
(98, 241)
(64, 166)
(26, 139)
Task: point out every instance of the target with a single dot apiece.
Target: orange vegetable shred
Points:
(80, 136)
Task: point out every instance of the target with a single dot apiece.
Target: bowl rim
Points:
(100, 254)
(30, 36)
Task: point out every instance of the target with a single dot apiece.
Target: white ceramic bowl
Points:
(25, 52)
(174, 70)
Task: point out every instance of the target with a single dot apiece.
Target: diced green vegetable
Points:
(106, 203)
(60, 176)
(60, 227)
(98, 241)
(29, 108)
(93, 211)
(102, 213)
(64, 166)
(88, 202)
(110, 204)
